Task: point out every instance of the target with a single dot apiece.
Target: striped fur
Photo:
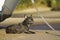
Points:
(21, 27)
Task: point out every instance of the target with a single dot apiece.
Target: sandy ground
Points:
(39, 35)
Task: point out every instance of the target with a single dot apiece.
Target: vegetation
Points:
(23, 4)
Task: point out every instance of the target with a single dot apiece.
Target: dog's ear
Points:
(25, 16)
(31, 15)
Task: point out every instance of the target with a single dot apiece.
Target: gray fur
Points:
(20, 27)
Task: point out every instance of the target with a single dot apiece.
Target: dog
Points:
(21, 27)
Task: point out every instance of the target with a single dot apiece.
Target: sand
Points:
(39, 35)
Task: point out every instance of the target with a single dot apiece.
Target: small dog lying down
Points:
(21, 27)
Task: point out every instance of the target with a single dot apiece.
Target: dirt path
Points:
(40, 35)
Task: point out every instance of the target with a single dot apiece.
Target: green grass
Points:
(24, 4)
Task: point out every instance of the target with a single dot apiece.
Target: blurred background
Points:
(25, 4)
(50, 9)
